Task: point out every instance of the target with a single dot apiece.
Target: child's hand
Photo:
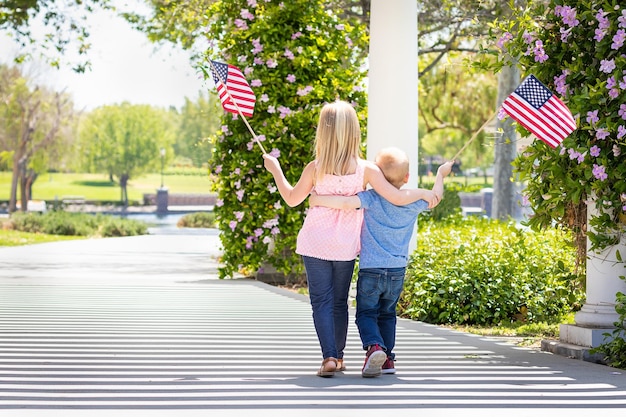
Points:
(445, 169)
(313, 199)
(271, 164)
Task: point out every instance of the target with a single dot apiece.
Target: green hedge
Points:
(472, 270)
(77, 224)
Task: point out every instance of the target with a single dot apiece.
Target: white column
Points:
(392, 96)
(598, 314)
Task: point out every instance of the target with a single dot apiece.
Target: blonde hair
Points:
(337, 140)
(394, 163)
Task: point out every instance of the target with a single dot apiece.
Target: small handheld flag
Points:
(233, 89)
(235, 93)
(534, 106)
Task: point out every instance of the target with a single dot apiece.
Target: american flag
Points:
(232, 85)
(534, 106)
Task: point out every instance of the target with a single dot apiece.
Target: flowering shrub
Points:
(296, 57)
(577, 49)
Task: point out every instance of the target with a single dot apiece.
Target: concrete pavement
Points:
(141, 326)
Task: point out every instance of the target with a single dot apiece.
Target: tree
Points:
(198, 121)
(32, 122)
(63, 25)
(452, 102)
(124, 141)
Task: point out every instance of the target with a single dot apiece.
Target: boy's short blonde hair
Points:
(394, 163)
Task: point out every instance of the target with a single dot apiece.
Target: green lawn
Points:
(98, 187)
(15, 238)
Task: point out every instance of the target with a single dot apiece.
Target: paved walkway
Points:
(141, 326)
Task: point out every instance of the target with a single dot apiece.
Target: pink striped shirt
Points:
(333, 234)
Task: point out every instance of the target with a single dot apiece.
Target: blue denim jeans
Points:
(377, 294)
(329, 284)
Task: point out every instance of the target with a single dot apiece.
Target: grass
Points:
(97, 187)
(15, 238)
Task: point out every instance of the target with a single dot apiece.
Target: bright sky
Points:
(125, 67)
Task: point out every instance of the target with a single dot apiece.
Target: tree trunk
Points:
(22, 182)
(503, 205)
(123, 185)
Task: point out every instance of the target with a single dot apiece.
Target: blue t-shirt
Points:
(386, 231)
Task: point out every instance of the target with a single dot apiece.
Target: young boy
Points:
(385, 238)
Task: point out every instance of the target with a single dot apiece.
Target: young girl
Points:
(329, 239)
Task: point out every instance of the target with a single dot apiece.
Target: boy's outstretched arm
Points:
(335, 201)
(442, 172)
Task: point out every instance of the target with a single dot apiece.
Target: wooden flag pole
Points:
(256, 139)
(474, 136)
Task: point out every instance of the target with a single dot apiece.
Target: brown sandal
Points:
(328, 368)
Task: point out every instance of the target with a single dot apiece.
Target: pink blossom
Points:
(622, 84)
(607, 65)
(225, 129)
(218, 169)
(249, 241)
(296, 35)
(603, 21)
(594, 151)
(239, 215)
(616, 150)
(599, 172)
(219, 202)
(529, 38)
(237, 171)
(288, 54)
(622, 19)
(258, 61)
(258, 232)
(568, 14)
(592, 117)
(621, 131)
(275, 153)
(232, 225)
(261, 138)
(502, 114)
(504, 40)
(252, 3)
(248, 71)
(271, 109)
(257, 46)
(340, 27)
(599, 35)
(264, 98)
(560, 84)
(256, 83)
(275, 231)
(618, 39)
(246, 14)
(272, 189)
(291, 78)
(271, 63)
(240, 194)
(284, 111)
(622, 111)
(602, 133)
(614, 93)
(304, 91)
(241, 24)
(270, 223)
(277, 205)
(565, 34)
(540, 53)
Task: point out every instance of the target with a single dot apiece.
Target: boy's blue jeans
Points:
(329, 284)
(378, 292)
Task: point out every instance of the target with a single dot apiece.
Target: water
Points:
(165, 224)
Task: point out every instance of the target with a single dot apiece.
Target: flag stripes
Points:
(233, 89)
(540, 112)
